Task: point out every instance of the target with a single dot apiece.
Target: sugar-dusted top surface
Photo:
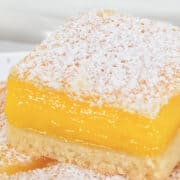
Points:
(117, 60)
(7, 60)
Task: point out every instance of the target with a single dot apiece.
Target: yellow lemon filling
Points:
(24, 166)
(54, 114)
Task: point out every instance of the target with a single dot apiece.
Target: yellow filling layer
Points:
(25, 166)
(54, 114)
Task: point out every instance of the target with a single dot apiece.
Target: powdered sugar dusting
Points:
(2, 94)
(118, 60)
(7, 60)
(9, 156)
(66, 172)
(61, 171)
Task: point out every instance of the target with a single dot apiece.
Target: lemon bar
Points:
(10, 160)
(101, 92)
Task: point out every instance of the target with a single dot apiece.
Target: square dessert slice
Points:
(101, 92)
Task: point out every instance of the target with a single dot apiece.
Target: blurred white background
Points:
(27, 21)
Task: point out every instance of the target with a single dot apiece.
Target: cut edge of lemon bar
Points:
(59, 170)
(12, 161)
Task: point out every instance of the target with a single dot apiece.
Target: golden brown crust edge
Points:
(97, 159)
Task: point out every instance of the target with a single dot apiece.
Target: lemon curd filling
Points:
(25, 166)
(54, 114)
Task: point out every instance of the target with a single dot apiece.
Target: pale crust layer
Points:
(98, 159)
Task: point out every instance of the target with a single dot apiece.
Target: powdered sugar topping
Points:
(118, 60)
(8, 155)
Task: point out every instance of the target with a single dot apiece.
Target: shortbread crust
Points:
(98, 159)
